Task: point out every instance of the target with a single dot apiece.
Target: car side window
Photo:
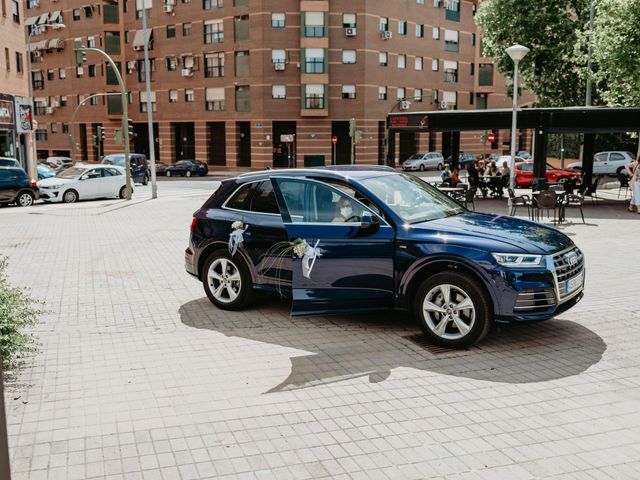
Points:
(240, 199)
(617, 156)
(314, 202)
(527, 167)
(601, 157)
(264, 199)
(114, 172)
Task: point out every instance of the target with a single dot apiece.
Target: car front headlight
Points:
(54, 187)
(518, 260)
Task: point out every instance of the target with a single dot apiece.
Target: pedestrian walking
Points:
(633, 169)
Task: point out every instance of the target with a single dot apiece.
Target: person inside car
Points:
(345, 210)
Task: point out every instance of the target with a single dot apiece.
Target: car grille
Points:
(532, 299)
(567, 264)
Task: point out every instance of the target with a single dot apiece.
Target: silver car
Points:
(608, 163)
(424, 161)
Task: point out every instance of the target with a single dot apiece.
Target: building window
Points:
(383, 58)
(348, 56)
(91, 42)
(41, 134)
(50, 74)
(242, 64)
(189, 96)
(209, 4)
(143, 101)
(473, 69)
(278, 91)
(88, 11)
(471, 98)
(349, 20)
(452, 10)
(435, 65)
(314, 24)
(94, 100)
(401, 93)
(451, 38)
(171, 63)
(384, 24)
(64, 101)
(485, 74)
(37, 79)
(473, 39)
(417, 95)
(171, 31)
(112, 42)
(450, 71)
(418, 63)
(64, 127)
(435, 33)
(481, 102)
(278, 20)
(348, 92)
(314, 60)
(173, 96)
(141, 69)
(419, 30)
(62, 73)
(382, 93)
(278, 56)
(76, 14)
(402, 61)
(243, 98)
(186, 29)
(214, 65)
(213, 31)
(91, 70)
(79, 72)
(420, 2)
(402, 27)
(241, 28)
(450, 99)
(314, 97)
(54, 128)
(214, 99)
(15, 10)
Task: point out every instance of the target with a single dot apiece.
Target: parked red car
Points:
(524, 174)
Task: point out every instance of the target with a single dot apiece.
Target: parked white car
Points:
(608, 163)
(83, 182)
(424, 161)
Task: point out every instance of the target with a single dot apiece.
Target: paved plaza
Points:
(140, 377)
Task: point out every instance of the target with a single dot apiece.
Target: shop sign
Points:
(6, 112)
(24, 115)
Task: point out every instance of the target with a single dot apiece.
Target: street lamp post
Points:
(517, 53)
(39, 29)
(590, 50)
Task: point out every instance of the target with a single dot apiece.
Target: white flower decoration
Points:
(237, 225)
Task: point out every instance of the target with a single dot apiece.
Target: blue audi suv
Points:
(362, 238)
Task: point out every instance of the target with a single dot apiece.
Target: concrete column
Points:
(167, 147)
(313, 137)
(261, 144)
(231, 143)
(200, 137)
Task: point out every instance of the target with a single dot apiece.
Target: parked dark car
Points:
(464, 159)
(16, 187)
(187, 168)
(161, 168)
(139, 165)
(387, 240)
(9, 162)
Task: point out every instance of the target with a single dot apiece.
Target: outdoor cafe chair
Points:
(468, 198)
(591, 191)
(572, 200)
(546, 200)
(623, 178)
(519, 201)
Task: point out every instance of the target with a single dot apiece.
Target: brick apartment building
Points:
(230, 77)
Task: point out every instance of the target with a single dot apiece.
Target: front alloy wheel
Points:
(452, 309)
(227, 281)
(25, 199)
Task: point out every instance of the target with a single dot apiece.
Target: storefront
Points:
(7, 127)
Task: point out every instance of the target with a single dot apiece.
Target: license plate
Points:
(575, 282)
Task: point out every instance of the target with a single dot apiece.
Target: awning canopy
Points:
(138, 39)
(41, 45)
(44, 18)
(55, 17)
(31, 20)
(55, 43)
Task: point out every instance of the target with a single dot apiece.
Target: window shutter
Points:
(303, 22)
(303, 60)
(303, 94)
(325, 68)
(326, 96)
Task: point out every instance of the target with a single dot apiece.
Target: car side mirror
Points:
(369, 225)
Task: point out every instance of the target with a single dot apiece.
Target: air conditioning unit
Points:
(138, 47)
(131, 65)
(49, 110)
(280, 66)
(35, 3)
(55, 104)
(386, 35)
(405, 105)
(186, 72)
(444, 105)
(350, 32)
(36, 54)
(167, 8)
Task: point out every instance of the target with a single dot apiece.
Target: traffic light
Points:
(79, 56)
(132, 133)
(352, 128)
(100, 133)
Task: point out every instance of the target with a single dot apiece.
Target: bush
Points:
(18, 312)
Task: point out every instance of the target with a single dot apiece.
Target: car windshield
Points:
(415, 156)
(114, 160)
(412, 199)
(72, 172)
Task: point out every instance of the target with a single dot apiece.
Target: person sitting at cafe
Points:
(455, 178)
(505, 177)
(472, 175)
(445, 176)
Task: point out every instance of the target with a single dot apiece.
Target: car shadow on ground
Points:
(371, 345)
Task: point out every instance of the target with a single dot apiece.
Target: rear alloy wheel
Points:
(25, 199)
(563, 180)
(440, 166)
(421, 167)
(188, 174)
(145, 180)
(168, 173)
(227, 281)
(452, 310)
(70, 196)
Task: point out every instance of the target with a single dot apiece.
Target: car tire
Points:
(167, 173)
(188, 173)
(562, 180)
(237, 293)
(462, 289)
(70, 196)
(421, 168)
(620, 170)
(25, 199)
(440, 166)
(123, 192)
(145, 180)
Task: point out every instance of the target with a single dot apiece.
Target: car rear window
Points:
(240, 199)
(264, 199)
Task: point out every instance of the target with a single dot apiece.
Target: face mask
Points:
(346, 212)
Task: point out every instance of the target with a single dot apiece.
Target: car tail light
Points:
(34, 183)
(194, 222)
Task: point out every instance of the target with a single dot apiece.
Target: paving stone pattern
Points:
(140, 377)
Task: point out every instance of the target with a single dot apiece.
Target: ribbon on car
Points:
(236, 237)
(309, 258)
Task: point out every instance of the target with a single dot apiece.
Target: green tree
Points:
(551, 29)
(616, 52)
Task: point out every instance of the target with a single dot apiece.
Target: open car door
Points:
(348, 264)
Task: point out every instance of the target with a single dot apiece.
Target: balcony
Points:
(451, 76)
(111, 13)
(451, 46)
(485, 75)
(38, 84)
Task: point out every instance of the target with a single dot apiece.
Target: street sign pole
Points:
(5, 466)
(334, 140)
(147, 81)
